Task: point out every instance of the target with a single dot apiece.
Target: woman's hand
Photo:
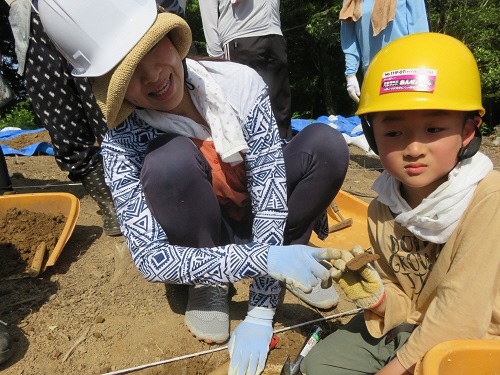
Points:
(249, 342)
(298, 265)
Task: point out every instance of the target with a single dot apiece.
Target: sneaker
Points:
(5, 344)
(322, 298)
(207, 313)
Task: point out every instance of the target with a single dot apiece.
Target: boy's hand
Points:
(360, 282)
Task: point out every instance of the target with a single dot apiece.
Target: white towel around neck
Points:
(210, 101)
(438, 215)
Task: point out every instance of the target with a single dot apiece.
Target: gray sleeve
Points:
(209, 10)
(19, 19)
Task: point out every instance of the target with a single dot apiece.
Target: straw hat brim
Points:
(110, 88)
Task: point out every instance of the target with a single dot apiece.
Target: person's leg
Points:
(267, 55)
(176, 180)
(92, 178)
(95, 185)
(56, 102)
(93, 114)
(67, 108)
(277, 79)
(316, 162)
(351, 350)
(5, 182)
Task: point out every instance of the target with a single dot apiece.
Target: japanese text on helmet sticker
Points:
(404, 80)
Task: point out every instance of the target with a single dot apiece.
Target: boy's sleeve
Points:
(398, 304)
(466, 300)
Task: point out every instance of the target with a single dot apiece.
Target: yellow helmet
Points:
(422, 71)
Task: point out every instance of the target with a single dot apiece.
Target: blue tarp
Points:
(40, 148)
(342, 124)
(345, 125)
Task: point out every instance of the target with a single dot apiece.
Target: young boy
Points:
(434, 223)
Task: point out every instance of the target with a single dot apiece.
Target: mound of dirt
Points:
(21, 233)
(24, 140)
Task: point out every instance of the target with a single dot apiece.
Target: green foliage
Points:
(302, 115)
(193, 18)
(486, 130)
(324, 27)
(315, 60)
(20, 116)
(476, 23)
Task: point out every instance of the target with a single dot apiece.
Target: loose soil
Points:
(93, 313)
(21, 233)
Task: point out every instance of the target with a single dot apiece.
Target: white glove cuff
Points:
(260, 315)
(373, 300)
(376, 298)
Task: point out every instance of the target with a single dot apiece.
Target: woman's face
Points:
(158, 79)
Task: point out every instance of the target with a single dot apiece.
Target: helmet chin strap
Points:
(368, 132)
(472, 148)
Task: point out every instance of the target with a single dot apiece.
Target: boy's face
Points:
(158, 80)
(420, 147)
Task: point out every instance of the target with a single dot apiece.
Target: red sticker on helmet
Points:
(404, 80)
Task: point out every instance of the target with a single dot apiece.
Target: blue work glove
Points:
(249, 342)
(297, 265)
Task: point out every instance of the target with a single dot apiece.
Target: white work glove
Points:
(364, 286)
(298, 265)
(353, 88)
(249, 342)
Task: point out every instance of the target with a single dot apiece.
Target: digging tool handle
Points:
(36, 263)
(337, 211)
(311, 341)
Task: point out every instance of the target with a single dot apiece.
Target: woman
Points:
(197, 171)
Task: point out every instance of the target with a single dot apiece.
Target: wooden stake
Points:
(36, 263)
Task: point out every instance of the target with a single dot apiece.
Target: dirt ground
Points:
(93, 313)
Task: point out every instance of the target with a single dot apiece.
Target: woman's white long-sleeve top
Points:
(124, 151)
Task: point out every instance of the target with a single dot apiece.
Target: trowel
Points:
(292, 368)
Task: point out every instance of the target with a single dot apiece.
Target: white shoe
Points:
(322, 298)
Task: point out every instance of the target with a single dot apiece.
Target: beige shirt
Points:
(451, 290)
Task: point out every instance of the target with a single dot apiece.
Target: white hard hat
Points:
(95, 35)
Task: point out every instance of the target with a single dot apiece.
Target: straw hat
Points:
(110, 88)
